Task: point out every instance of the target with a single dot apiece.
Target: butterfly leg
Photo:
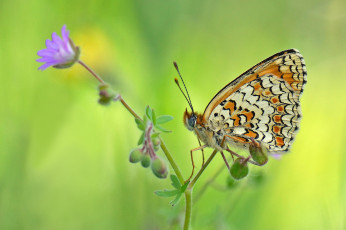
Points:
(226, 162)
(193, 164)
(199, 142)
(233, 153)
(237, 155)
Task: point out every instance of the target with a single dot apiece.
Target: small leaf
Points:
(141, 139)
(175, 182)
(183, 188)
(145, 120)
(153, 116)
(163, 119)
(176, 199)
(159, 127)
(154, 135)
(140, 124)
(167, 193)
(149, 112)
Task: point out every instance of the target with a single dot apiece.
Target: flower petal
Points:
(46, 52)
(51, 45)
(65, 34)
(45, 66)
(56, 39)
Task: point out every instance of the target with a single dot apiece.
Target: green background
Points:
(64, 158)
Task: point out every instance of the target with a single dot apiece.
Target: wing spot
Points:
(279, 141)
(280, 108)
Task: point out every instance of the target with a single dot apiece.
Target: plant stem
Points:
(128, 108)
(171, 161)
(188, 192)
(188, 208)
(209, 182)
(91, 71)
(192, 183)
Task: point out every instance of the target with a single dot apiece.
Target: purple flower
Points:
(60, 53)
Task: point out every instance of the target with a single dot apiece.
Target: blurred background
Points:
(64, 158)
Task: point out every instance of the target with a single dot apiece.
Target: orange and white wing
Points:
(262, 103)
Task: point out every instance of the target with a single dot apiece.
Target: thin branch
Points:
(91, 71)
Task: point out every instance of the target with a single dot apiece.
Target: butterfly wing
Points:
(262, 103)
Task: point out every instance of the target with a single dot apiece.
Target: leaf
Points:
(149, 112)
(175, 182)
(167, 193)
(141, 139)
(140, 124)
(154, 135)
(153, 117)
(183, 188)
(163, 119)
(159, 127)
(176, 199)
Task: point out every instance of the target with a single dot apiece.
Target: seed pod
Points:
(258, 153)
(159, 168)
(146, 161)
(239, 168)
(135, 156)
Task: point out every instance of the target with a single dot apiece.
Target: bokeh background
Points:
(64, 158)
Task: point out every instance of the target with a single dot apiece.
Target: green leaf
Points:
(154, 135)
(149, 112)
(183, 188)
(176, 199)
(153, 117)
(140, 124)
(141, 139)
(167, 193)
(163, 119)
(159, 127)
(175, 182)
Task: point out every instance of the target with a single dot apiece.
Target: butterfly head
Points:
(190, 120)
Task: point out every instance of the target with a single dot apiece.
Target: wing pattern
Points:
(266, 107)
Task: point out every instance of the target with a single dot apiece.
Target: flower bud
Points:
(156, 141)
(106, 94)
(146, 161)
(159, 168)
(136, 155)
(239, 168)
(156, 148)
(258, 153)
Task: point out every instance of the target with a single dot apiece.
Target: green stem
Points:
(129, 108)
(209, 182)
(192, 183)
(188, 192)
(172, 162)
(188, 209)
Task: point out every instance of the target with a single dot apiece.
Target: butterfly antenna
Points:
(177, 82)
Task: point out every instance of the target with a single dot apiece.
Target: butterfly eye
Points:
(191, 122)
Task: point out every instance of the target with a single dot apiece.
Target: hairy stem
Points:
(188, 208)
(91, 71)
(129, 108)
(171, 161)
(188, 192)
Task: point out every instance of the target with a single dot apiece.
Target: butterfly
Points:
(261, 105)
